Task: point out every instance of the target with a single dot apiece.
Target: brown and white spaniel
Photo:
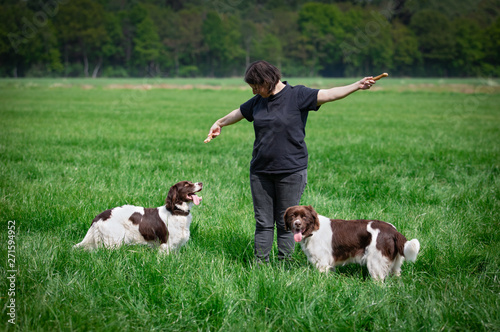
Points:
(166, 226)
(331, 242)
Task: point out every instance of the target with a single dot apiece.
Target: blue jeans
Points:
(272, 194)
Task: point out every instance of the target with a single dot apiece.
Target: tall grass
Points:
(428, 162)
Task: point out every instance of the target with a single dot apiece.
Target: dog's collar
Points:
(178, 212)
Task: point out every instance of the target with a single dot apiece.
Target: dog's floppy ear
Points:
(314, 214)
(286, 216)
(284, 219)
(171, 198)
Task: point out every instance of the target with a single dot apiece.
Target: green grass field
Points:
(421, 154)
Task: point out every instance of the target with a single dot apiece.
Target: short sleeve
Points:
(307, 98)
(247, 108)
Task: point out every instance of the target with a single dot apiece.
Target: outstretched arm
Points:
(229, 119)
(327, 95)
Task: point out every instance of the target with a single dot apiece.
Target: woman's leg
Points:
(263, 195)
(289, 189)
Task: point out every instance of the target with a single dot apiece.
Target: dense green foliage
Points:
(169, 38)
(415, 153)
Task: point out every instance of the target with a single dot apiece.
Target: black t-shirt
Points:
(279, 123)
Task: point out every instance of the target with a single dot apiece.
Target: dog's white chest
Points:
(318, 247)
(178, 230)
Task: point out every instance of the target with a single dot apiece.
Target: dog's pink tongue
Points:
(297, 236)
(196, 199)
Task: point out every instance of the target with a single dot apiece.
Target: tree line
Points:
(175, 38)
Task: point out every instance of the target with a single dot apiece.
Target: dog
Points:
(166, 226)
(331, 242)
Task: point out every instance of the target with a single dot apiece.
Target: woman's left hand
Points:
(366, 83)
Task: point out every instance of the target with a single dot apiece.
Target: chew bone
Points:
(208, 139)
(376, 78)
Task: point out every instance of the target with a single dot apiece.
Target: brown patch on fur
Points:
(105, 215)
(388, 239)
(135, 218)
(350, 238)
(151, 226)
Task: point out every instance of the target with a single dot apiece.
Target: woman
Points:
(278, 170)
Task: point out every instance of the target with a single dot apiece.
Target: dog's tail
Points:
(411, 250)
(89, 241)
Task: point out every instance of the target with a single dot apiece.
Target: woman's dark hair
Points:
(263, 73)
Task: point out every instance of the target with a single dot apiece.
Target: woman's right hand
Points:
(214, 132)
(229, 119)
